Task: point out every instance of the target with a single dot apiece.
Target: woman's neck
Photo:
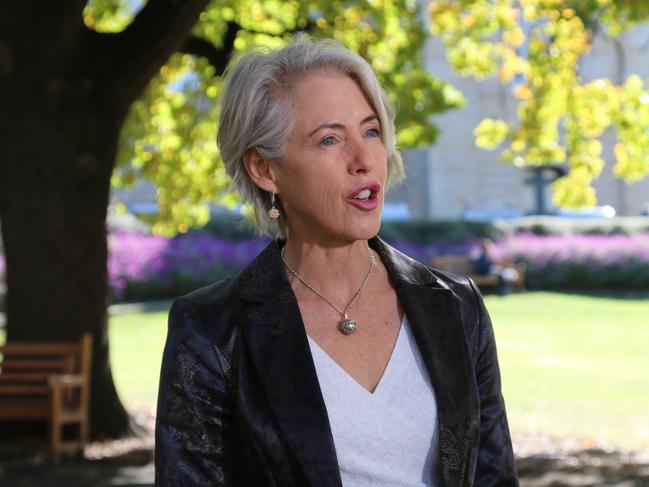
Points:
(335, 271)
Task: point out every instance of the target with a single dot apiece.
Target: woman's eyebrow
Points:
(336, 125)
(327, 126)
(369, 118)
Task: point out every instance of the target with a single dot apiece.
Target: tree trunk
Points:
(64, 93)
(58, 146)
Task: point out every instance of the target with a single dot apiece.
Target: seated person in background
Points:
(487, 263)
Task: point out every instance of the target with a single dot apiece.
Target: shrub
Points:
(230, 226)
(145, 266)
(148, 267)
(433, 231)
(424, 253)
(234, 227)
(553, 225)
(581, 261)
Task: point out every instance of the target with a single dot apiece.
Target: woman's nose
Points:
(362, 158)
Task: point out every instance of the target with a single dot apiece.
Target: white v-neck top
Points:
(385, 438)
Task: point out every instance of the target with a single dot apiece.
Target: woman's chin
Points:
(366, 230)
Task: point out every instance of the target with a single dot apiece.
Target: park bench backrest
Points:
(457, 264)
(48, 380)
(25, 367)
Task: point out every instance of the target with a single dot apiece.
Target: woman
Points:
(332, 359)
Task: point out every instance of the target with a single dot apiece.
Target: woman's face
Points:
(332, 178)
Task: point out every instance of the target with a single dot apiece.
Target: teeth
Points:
(363, 195)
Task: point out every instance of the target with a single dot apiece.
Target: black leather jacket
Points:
(240, 404)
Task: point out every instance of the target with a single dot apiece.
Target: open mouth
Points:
(363, 195)
(366, 192)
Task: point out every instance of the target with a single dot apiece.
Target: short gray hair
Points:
(256, 112)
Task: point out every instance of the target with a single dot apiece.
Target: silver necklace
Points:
(346, 326)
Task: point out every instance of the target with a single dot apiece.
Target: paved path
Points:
(75, 475)
(534, 472)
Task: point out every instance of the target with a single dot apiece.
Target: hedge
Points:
(146, 267)
(616, 256)
(581, 261)
(553, 225)
(234, 227)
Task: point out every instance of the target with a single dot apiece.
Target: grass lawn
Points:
(136, 344)
(572, 365)
(575, 366)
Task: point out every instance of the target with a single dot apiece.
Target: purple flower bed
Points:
(581, 261)
(561, 261)
(148, 267)
(145, 266)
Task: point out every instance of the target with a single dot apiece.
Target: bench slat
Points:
(52, 365)
(23, 389)
(24, 377)
(40, 348)
(25, 408)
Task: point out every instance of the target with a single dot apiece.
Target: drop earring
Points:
(273, 212)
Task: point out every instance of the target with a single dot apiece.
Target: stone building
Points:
(454, 178)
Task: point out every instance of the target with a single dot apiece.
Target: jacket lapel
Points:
(279, 348)
(432, 311)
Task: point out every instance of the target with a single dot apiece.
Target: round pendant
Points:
(347, 326)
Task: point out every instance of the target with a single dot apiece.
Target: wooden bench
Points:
(462, 265)
(48, 380)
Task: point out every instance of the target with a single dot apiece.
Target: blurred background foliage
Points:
(600, 255)
(169, 137)
(535, 46)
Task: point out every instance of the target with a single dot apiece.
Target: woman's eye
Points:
(373, 132)
(327, 141)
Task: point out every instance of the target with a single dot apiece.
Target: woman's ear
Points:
(260, 170)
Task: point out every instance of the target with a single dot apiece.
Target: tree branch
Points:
(217, 57)
(308, 27)
(131, 58)
(135, 55)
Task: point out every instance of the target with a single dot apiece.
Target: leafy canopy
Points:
(533, 45)
(536, 46)
(169, 137)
